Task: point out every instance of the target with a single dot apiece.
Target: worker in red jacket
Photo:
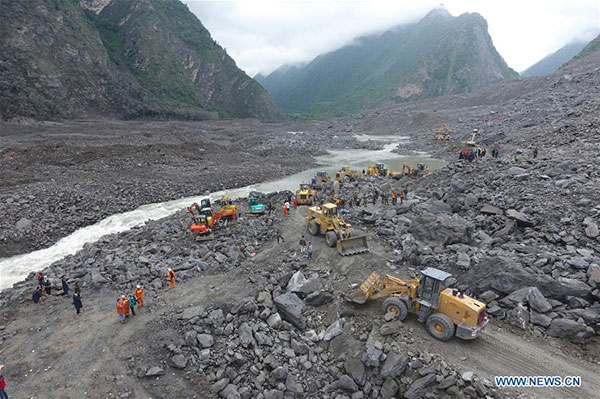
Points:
(3, 394)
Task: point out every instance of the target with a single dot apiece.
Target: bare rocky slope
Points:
(136, 58)
(252, 318)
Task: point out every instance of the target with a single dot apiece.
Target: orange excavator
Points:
(204, 219)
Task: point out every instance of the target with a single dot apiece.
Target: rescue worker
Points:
(47, 286)
(279, 236)
(131, 300)
(37, 294)
(295, 202)
(3, 394)
(77, 289)
(77, 302)
(65, 286)
(517, 157)
(121, 309)
(302, 244)
(170, 278)
(310, 251)
(270, 207)
(126, 308)
(394, 198)
(401, 197)
(139, 296)
(40, 279)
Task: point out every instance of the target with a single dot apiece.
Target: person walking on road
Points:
(302, 244)
(139, 296)
(131, 300)
(65, 286)
(310, 251)
(170, 278)
(285, 209)
(77, 302)
(279, 236)
(3, 394)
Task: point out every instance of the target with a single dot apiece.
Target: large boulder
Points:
(537, 301)
(504, 275)
(564, 328)
(290, 307)
(442, 229)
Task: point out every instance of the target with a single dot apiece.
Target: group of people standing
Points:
(126, 303)
(306, 250)
(44, 287)
(291, 199)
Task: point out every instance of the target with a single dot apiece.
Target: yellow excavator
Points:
(338, 233)
(379, 169)
(445, 311)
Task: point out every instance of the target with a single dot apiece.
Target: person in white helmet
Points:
(139, 296)
(171, 277)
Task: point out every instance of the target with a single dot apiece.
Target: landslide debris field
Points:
(251, 318)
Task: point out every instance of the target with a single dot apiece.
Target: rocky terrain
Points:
(251, 318)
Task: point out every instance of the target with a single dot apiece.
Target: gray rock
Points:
(219, 385)
(491, 210)
(564, 327)
(593, 275)
(446, 382)
(467, 376)
(191, 338)
(356, 369)
(154, 371)
(390, 328)
(205, 340)
(179, 361)
(293, 386)
(521, 218)
(463, 261)
(537, 301)
(290, 307)
(418, 388)
(23, 224)
(335, 329)
(230, 392)
(488, 296)
(274, 320)
(191, 312)
(246, 336)
(372, 354)
(389, 388)
(395, 364)
(296, 281)
(346, 383)
(273, 394)
(592, 230)
(539, 319)
(279, 373)
(318, 298)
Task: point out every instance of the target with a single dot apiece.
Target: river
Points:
(17, 268)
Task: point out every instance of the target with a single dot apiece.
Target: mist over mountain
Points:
(438, 55)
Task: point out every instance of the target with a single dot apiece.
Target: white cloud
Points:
(262, 35)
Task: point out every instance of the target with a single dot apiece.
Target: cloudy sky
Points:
(262, 35)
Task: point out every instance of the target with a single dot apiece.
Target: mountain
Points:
(439, 55)
(591, 47)
(124, 58)
(552, 62)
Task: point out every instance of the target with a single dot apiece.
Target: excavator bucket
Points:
(352, 246)
(206, 237)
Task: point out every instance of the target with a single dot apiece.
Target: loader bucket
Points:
(352, 246)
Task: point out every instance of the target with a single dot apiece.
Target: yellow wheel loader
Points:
(305, 195)
(346, 174)
(445, 311)
(325, 220)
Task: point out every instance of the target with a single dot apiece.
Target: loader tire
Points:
(313, 227)
(331, 238)
(397, 306)
(440, 327)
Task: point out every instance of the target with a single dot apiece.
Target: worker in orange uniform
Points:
(295, 201)
(121, 309)
(171, 277)
(401, 197)
(285, 209)
(139, 296)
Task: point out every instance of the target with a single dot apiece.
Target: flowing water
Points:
(16, 268)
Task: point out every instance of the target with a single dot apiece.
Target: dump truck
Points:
(345, 174)
(338, 233)
(445, 311)
(305, 195)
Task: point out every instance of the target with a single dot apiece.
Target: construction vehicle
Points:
(211, 217)
(379, 169)
(305, 195)
(442, 133)
(420, 171)
(345, 174)
(318, 180)
(228, 209)
(255, 205)
(200, 227)
(471, 140)
(338, 233)
(445, 311)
